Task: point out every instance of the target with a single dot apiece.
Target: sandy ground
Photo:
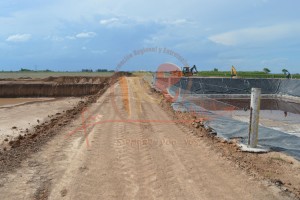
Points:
(9, 102)
(15, 119)
(133, 149)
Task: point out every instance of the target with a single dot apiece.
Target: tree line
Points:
(265, 70)
(97, 70)
(83, 70)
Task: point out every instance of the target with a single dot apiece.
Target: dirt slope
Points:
(133, 150)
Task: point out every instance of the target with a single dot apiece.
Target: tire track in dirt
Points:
(129, 163)
(148, 177)
(165, 173)
(96, 179)
(77, 166)
(174, 173)
(126, 164)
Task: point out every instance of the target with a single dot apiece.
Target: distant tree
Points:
(284, 71)
(216, 70)
(87, 70)
(101, 70)
(266, 70)
(25, 70)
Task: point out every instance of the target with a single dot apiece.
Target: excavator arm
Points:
(194, 69)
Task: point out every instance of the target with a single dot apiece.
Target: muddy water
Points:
(279, 123)
(4, 102)
(266, 104)
(244, 104)
(276, 114)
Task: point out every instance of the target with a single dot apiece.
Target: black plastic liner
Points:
(238, 86)
(225, 126)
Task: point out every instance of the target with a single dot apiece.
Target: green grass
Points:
(254, 74)
(16, 75)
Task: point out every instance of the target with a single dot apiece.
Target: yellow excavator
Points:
(233, 72)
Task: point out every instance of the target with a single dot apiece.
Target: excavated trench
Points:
(51, 87)
(225, 103)
(26, 128)
(25, 103)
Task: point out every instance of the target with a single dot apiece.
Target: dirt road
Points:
(132, 150)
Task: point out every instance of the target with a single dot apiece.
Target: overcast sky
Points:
(73, 34)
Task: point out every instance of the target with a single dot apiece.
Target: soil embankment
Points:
(14, 149)
(51, 87)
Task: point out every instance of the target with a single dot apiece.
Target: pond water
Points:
(279, 120)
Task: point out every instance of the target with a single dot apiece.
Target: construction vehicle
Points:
(288, 75)
(233, 72)
(187, 71)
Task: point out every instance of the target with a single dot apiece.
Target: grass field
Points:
(16, 75)
(254, 74)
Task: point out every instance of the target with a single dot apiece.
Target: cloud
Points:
(109, 21)
(185, 28)
(120, 22)
(71, 37)
(177, 22)
(81, 35)
(86, 35)
(252, 35)
(18, 38)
